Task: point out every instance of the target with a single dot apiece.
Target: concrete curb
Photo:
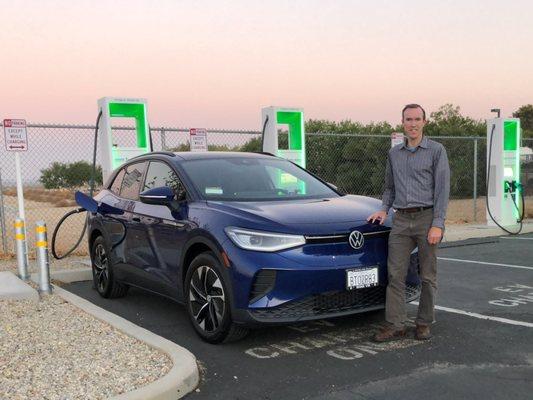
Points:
(179, 381)
(14, 288)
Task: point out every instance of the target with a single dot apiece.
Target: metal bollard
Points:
(43, 263)
(20, 240)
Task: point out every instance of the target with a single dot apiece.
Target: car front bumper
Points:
(281, 288)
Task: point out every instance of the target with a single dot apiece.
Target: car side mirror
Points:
(331, 185)
(162, 196)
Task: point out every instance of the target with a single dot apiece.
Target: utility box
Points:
(111, 154)
(503, 171)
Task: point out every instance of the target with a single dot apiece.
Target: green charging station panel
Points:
(293, 120)
(112, 155)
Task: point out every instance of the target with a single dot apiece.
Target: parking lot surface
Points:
(482, 348)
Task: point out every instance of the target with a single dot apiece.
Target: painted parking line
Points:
(481, 316)
(517, 238)
(484, 263)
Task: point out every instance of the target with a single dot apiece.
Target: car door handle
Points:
(136, 219)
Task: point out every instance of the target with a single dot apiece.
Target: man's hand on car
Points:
(379, 216)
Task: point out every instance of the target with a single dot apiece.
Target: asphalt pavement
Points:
(482, 346)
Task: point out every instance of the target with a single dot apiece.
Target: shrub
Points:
(61, 175)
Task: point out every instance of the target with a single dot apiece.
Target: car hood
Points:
(332, 214)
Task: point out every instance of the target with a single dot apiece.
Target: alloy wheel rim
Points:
(101, 272)
(207, 299)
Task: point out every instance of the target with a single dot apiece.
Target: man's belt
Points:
(413, 209)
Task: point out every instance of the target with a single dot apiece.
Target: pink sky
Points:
(215, 64)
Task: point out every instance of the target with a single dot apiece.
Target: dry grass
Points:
(51, 214)
(462, 211)
(53, 196)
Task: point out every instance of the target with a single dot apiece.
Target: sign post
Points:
(16, 139)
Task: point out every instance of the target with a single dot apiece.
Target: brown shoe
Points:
(388, 333)
(422, 332)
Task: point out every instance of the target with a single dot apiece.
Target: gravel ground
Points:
(53, 350)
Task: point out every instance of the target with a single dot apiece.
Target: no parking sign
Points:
(198, 139)
(16, 137)
(396, 138)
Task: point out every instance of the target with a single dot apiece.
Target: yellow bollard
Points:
(20, 240)
(43, 262)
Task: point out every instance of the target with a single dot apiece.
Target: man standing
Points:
(417, 186)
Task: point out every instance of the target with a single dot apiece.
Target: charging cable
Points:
(91, 192)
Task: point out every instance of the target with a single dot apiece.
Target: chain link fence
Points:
(59, 162)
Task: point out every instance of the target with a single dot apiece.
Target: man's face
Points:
(413, 122)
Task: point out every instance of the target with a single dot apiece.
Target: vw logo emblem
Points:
(356, 240)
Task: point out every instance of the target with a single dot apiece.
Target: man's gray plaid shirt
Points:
(418, 179)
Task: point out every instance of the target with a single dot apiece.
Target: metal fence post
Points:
(2, 216)
(20, 239)
(163, 140)
(43, 261)
(475, 180)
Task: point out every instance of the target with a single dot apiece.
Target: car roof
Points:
(189, 155)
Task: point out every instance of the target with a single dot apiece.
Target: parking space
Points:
(470, 356)
(494, 278)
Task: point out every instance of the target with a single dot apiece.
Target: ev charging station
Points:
(272, 117)
(503, 172)
(293, 118)
(112, 156)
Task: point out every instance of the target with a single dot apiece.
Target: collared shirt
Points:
(419, 178)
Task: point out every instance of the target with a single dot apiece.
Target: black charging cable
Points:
(263, 133)
(92, 184)
(78, 210)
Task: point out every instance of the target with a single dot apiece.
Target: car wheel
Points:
(103, 278)
(208, 301)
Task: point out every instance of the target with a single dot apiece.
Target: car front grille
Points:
(343, 238)
(330, 304)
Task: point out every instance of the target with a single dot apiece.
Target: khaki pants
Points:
(410, 230)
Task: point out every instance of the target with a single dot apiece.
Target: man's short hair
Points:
(414, 106)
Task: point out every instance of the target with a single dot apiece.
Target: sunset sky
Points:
(214, 64)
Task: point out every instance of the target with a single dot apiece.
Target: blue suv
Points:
(242, 239)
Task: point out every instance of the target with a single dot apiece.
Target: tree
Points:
(525, 113)
(448, 121)
(70, 175)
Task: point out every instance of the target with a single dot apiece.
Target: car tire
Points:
(208, 299)
(102, 267)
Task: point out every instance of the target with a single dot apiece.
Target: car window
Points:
(117, 183)
(285, 180)
(160, 174)
(254, 179)
(132, 181)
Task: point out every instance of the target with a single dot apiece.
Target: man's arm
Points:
(441, 176)
(388, 192)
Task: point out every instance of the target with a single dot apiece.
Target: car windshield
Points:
(253, 179)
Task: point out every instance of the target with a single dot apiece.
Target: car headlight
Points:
(263, 241)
